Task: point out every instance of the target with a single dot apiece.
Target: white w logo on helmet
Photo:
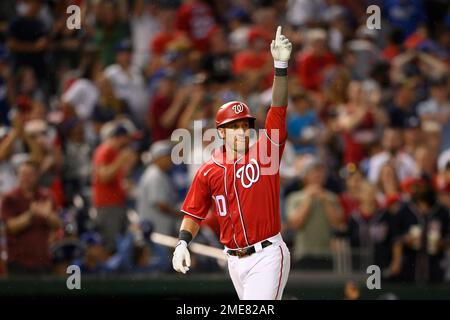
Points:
(249, 174)
(238, 108)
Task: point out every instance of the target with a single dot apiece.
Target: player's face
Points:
(237, 135)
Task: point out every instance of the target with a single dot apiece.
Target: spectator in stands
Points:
(110, 28)
(371, 232)
(144, 27)
(355, 122)
(30, 216)
(255, 60)
(436, 110)
(66, 41)
(29, 40)
(312, 63)
(165, 108)
(388, 188)
(109, 107)
(27, 85)
(94, 255)
(349, 199)
(303, 124)
(401, 108)
(9, 137)
(443, 185)
(405, 15)
(156, 191)
(405, 166)
(6, 85)
(77, 155)
(127, 82)
(196, 19)
(422, 227)
(112, 162)
(314, 213)
(426, 160)
(237, 22)
(168, 36)
(83, 94)
(218, 61)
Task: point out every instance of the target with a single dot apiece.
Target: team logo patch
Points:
(249, 174)
(238, 108)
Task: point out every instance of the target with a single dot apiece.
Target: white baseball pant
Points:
(262, 275)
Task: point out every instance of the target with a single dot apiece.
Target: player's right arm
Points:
(195, 207)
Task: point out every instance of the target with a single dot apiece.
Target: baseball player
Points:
(244, 195)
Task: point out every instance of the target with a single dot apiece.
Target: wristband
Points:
(280, 64)
(280, 72)
(185, 236)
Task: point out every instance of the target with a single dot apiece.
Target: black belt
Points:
(241, 253)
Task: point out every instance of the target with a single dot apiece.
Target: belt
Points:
(242, 253)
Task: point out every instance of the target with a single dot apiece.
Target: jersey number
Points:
(221, 205)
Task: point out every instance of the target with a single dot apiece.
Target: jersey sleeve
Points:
(272, 141)
(276, 125)
(198, 198)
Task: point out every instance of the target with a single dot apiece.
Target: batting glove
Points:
(181, 260)
(281, 49)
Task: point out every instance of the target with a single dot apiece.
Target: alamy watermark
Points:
(374, 280)
(74, 280)
(374, 20)
(197, 146)
(74, 20)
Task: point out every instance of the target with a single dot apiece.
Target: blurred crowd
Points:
(86, 118)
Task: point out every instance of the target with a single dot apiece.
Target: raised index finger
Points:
(278, 34)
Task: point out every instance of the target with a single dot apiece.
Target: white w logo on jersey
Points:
(238, 108)
(249, 174)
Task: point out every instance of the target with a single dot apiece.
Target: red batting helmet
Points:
(233, 110)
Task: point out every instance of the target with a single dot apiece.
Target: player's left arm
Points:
(281, 49)
(276, 118)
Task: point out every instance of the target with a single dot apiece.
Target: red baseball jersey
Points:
(245, 193)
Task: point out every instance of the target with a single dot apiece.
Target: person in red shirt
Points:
(195, 18)
(242, 182)
(168, 34)
(161, 116)
(113, 160)
(255, 60)
(29, 214)
(312, 63)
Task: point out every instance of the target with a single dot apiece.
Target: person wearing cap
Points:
(156, 190)
(94, 256)
(316, 58)
(313, 213)
(127, 81)
(112, 161)
(255, 61)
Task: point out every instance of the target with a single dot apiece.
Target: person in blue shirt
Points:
(406, 15)
(302, 124)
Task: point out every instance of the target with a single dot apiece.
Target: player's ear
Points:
(221, 132)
